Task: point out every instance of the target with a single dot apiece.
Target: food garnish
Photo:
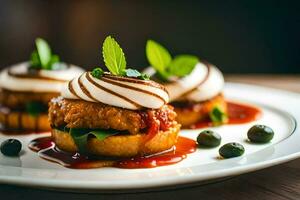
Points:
(231, 150)
(11, 147)
(260, 134)
(161, 60)
(208, 138)
(97, 72)
(42, 57)
(115, 61)
(80, 135)
(218, 116)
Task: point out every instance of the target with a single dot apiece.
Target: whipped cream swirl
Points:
(117, 91)
(203, 83)
(20, 78)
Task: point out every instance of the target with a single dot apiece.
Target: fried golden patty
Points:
(189, 113)
(83, 114)
(121, 145)
(13, 99)
(20, 121)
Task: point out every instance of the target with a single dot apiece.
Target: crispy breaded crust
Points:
(13, 99)
(21, 121)
(191, 113)
(121, 145)
(84, 114)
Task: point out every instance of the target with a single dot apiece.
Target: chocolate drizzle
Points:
(130, 90)
(32, 74)
(111, 92)
(84, 90)
(105, 79)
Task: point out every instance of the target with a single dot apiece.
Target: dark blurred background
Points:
(237, 36)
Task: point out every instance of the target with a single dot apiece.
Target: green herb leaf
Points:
(44, 52)
(159, 57)
(182, 65)
(144, 77)
(80, 136)
(35, 108)
(54, 59)
(35, 60)
(218, 116)
(132, 73)
(113, 55)
(97, 72)
(136, 74)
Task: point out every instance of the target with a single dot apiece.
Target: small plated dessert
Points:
(26, 89)
(120, 113)
(195, 88)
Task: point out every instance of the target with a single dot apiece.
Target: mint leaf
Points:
(97, 72)
(80, 136)
(44, 52)
(144, 77)
(136, 74)
(54, 63)
(132, 73)
(218, 116)
(158, 56)
(182, 65)
(35, 60)
(113, 55)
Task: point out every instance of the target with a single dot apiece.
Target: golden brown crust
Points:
(21, 121)
(121, 145)
(191, 113)
(13, 99)
(84, 114)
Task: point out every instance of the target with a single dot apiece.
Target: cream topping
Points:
(19, 78)
(117, 91)
(203, 83)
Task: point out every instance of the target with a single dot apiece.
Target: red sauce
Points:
(237, 114)
(155, 121)
(47, 150)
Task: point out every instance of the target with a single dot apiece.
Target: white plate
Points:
(280, 111)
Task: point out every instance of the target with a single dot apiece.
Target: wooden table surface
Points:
(276, 183)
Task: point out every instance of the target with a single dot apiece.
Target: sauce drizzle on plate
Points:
(47, 150)
(237, 114)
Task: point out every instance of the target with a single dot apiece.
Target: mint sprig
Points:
(158, 57)
(182, 65)
(113, 56)
(42, 57)
(161, 60)
(43, 51)
(115, 61)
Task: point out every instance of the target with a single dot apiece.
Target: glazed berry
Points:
(231, 150)
(208, 138)
(11, 147)
(260, 134)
